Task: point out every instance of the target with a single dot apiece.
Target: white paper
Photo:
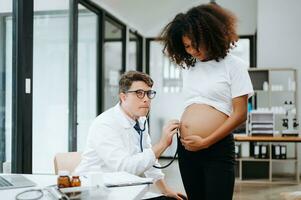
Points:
(150, 195)
(236, 149)
(277, 150)
(256, 150)
(263, 149)
(124, 178)
(283, 150)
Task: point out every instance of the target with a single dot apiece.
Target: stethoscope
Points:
(140, 132)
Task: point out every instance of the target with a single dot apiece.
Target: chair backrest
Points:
(66, 161)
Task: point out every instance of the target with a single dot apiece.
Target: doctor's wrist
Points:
(159, 148)
(164, 143)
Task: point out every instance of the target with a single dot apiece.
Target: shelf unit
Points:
(271, 162)
(280, 86)
(272, 87)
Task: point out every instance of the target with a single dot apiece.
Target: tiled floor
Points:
(242, 191)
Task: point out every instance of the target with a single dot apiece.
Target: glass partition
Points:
(50, 82)
(135, 52)
(132, 65)
(242, 50)
(168, 83)
(87, 73)
(6, 84)
(113, 50)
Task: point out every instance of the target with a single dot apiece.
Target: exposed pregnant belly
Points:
(201, 119)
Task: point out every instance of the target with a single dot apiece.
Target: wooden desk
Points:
(245, 138)
(270, 140)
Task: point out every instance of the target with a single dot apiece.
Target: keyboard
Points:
(4, 183)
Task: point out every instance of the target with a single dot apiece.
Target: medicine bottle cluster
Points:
(64, 180)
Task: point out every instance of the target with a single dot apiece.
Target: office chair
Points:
(66, 161)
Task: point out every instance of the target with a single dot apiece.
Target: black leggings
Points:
(208, 174)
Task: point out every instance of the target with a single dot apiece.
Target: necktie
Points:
(139, 131)
(137, 128)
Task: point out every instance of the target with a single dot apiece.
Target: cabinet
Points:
(273, 88)
(266, 123)
(270, 161)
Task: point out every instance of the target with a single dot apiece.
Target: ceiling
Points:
(148, 17)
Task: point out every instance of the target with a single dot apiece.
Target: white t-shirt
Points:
(217, 83)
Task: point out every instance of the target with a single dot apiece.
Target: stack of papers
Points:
(119, 179)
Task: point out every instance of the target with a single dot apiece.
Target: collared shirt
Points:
(114, 145)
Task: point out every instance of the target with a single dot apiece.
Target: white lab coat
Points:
(114, 145)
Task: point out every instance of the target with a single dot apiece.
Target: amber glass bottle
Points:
(63, 180)
(75, 182)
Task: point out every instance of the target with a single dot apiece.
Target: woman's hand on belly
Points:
(194, 143)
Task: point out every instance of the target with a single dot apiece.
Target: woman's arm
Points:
(239, 115)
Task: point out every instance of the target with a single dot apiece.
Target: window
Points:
(172, 77)
(87, 73)
(6, 85)
(50, 83)
(113, 60)
(168, 89)
(135, 52)
(246, 49)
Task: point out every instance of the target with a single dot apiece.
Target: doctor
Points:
(118, 139)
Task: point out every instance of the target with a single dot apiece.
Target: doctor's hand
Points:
(175, 195)
(194, 143)
(168, 131)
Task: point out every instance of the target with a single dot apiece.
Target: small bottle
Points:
(75, 182)
(265, 86)
(63, 180)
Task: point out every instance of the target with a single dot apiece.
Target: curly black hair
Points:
(207, 25)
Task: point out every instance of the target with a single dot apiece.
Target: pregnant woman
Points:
(216, 85)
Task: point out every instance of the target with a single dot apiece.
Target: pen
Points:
(79, 189)
(128, 184)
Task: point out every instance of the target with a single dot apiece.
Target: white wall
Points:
(279, 39)
(246, 12)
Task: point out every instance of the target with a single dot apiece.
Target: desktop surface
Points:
(134, 192)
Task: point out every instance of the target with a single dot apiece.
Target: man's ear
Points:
(122, 96)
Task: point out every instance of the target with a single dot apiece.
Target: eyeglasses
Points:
(141, 93)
